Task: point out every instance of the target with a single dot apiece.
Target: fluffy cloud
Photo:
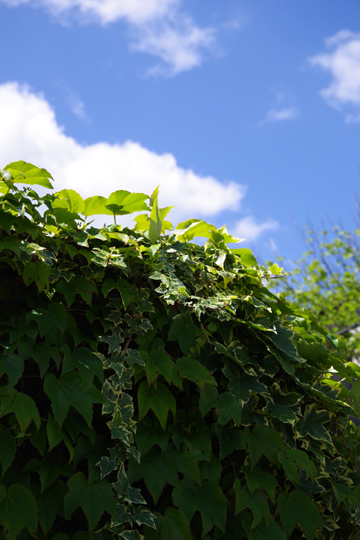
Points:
(158, 27)
(343, 63)
(30, 132)
(249, 229)
(279, 115)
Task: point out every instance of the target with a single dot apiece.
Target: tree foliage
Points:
(154, 388)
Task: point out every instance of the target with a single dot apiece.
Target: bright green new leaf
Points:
(313, 424)
(18, 509)
(299, 508)
(246, 257)
(127, 202)
(69, 199)
(26, 173)
(93, 499)
(155, 226)
(173, 524)
(21, 405)
(208, 499)
(95, 206)
(159, 399)
(71, 389)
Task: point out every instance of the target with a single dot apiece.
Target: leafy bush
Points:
(154, 388)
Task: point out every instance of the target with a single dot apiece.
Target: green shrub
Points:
(154, 388)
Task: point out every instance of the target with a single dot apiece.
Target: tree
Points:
(327, 281)
(154, 388)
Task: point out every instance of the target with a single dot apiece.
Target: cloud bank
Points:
(157, 27)
(30, 132)
(342, 61)
(249, 229)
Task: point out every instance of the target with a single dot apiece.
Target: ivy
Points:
(152, 388)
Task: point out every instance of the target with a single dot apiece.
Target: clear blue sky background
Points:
(246, 113)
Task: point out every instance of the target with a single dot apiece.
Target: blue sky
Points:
(246, 113)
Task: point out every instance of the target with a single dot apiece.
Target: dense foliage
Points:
(154, 388)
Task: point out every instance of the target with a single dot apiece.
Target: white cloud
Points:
(279, 115)
(30, 132)
(343, 63)
(158, 27)
(250, 230)
(179, 43)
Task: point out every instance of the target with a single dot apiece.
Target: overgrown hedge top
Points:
(138, 368)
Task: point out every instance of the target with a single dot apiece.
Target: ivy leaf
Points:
(298, 508)
(183, 332)
(13, 366)
(149, 434)
(156, 469)
(313, 424)
(144, 517)
(21, 405)
(26, 173)
(258, 506)
(230, 439)
(158, 363)
(114, 341)
(278, 405)
(241, 384)
(69, 199)
(56, 315)
(208, 399)
(132, 535)
(55, 435)
(93, 499)
(292, 460)
(283, 340)
(265, 441)
(71, 389)
(257, 479)
(173, 524)
(208, 499)
(122, 516)
(107, 465)
(229, 409)
(7, 449)
(191, 369)
(127, 202)
(159, 399)
(38, 272)
(18, 509)
(263, 531)
(95, 206)
(246, 257)
(50, 505)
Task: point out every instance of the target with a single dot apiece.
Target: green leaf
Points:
(155, 226)
(191, 369)
(144, 517)
(156, 469)
(21, 405)
(148, 434)
(255, 479)
(50, 505)
(265, 441)
(18, 509)
(241, 384)
(159, 399)
(283, 340)
(158, 363)
(298, 508)
(95, 206)
(13, 366)
(7, 449)
(229, 409)
(246, 256)
(278, 405)
(93, 499)
(38, 272)
(55, 435)
(114, 341)
(107, 465)
(127, 202)
(292, 460)
(208, 399)
(208, 499)
(56, 315)
(313, 424)
(131, 535)
(26, 173)
(187, 230)
(173, 524)
(230, 439)
(263, 531)
(69, 199)
(183, 332)
(71, 389)
(133, 496)
(122, 516)
(258, 506)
